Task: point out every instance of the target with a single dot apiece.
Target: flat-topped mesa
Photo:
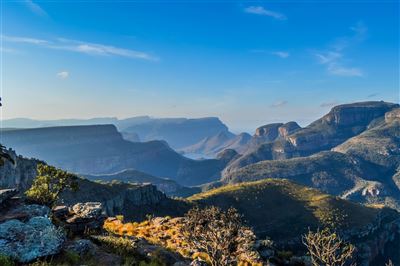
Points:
(66, 134)
(392, 115)
(360, 114)
(342, 122)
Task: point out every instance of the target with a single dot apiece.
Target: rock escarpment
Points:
(79, 218)
(341, 123)
(116, 197)
(18, 175)
(364, 168)
(168, 186)
(102, 150)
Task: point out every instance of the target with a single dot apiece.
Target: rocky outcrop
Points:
(116, 197)
(340, 124)
(18, 175)
(374, 241)
(288, 128)
(364, 168)
(392, 115)
(28, 241)
(80, 218)
(268, 132)
(25, 212)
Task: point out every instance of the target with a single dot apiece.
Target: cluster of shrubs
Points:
(210, 234)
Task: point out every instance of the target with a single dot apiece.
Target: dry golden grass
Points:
(165, 232)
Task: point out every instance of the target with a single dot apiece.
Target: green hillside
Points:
(282, 210)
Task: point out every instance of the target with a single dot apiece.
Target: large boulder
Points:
(28, 241)
(25, 212)
(87, 209)
(80, 218)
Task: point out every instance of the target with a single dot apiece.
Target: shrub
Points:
(49, 183)
(327, 248)
(221, 235)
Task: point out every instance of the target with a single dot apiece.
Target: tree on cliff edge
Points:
(49, 183)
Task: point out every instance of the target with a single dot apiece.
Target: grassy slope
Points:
(281, 210)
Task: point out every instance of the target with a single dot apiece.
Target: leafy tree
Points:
(327, 248)
(49, 183)
(221, 235)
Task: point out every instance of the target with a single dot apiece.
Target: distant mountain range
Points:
(100, 149)
(244, 142)
(283, 179)
(353, 151)
(177, 132)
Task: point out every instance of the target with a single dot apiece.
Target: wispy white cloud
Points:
(281, 54)
(63, 75)
(24, 40)
(279, 104)
(259, 10)
(334, 58)
(35, 8)
(339, 70)
(83, 47)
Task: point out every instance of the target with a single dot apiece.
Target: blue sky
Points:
(249, 63)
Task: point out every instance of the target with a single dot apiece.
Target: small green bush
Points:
(49, 183)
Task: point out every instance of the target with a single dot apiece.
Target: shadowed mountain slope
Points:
(178, 132)
(364, 168)
(102, 150)
(168, 186)
(341, 123)
(281, 209)
(284, 211)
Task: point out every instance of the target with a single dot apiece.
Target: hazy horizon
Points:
(236, 130)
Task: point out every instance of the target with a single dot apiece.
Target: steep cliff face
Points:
(116, 198)
(288, 128)
(379, 144)
(340, 124)
(269, 132)
(18, 175)
(365, 168)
